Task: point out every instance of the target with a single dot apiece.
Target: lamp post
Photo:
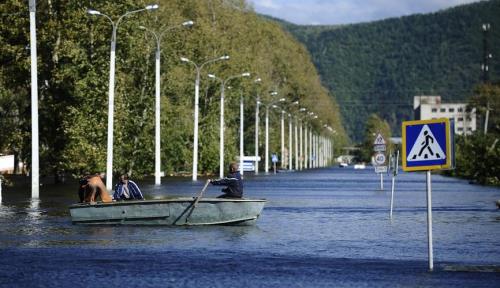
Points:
(158, 38)
(330, 142)
(296, 144)
(290, 152)
(289, 160)
(290, 138)
(282, 137)
(304, 158)
(257, 104)
(310, 151)
(35, 186)
(111, 91)
(196, 107)
(266, 168)
(315, 149)
(223, 83)
(301, 145)
(242, 115)
(307, 154)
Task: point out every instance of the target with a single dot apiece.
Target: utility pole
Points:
(486, 54)
(485, 68)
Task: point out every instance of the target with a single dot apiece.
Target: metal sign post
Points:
(428, 145)
(394, 174)
(429, 221)
(381, 181)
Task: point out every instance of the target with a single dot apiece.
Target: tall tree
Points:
(374, 126)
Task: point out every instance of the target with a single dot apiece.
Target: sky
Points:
(333, 12)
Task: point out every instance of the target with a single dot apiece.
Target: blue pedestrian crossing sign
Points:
(427, 145)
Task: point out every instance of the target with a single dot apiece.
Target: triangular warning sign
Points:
(379, 140)
(426, 147)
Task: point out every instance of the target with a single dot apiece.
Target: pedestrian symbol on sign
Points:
(426, 147)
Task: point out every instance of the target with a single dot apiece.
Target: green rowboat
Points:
(175, 211)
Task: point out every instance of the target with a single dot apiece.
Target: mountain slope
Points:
(378, 67)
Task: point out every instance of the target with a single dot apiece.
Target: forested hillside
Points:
(73, 70)
(378, 67)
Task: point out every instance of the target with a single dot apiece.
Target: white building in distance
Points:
(431, 107)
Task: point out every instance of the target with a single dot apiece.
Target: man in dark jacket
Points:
(127, 189)
(233, 182)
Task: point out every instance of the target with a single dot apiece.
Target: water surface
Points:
(320, 228)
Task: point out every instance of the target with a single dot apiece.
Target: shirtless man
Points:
(92, 186)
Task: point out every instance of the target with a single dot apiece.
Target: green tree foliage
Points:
(478, 155)
(379, 67)
(477, 158)
(73, 71)
(374, 126)
(487, 98)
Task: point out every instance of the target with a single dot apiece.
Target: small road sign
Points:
(379, 140)
(380, 158)
(380, 169)
(378, 148)
(274, 158)
(427, 145)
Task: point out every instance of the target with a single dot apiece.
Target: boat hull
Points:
(176, 211)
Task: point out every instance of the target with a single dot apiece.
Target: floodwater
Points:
(320, 228)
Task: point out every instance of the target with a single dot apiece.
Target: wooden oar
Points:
(201, 193)
(197, 199)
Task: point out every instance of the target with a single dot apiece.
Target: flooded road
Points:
(320, 228)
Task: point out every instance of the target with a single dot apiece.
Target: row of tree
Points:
(73, 49)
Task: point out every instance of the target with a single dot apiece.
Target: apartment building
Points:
(431, 107)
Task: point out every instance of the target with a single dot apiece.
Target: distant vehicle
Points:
(343, 164)
(360, 166)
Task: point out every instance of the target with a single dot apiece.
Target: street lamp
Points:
(158, 38)
(290, 146)
(35, 182)
(111, 92)
(307, 149)
(266, 168)
(311, 144)
(223, 83)
(242, 118)
(257, 104)
(196, 107)
(282, 137)
(301, 146)
(302, 139)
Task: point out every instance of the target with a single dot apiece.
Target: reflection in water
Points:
(34, 209)
(6, 211)
(33, 223)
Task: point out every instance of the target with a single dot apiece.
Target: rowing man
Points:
(233, 183)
